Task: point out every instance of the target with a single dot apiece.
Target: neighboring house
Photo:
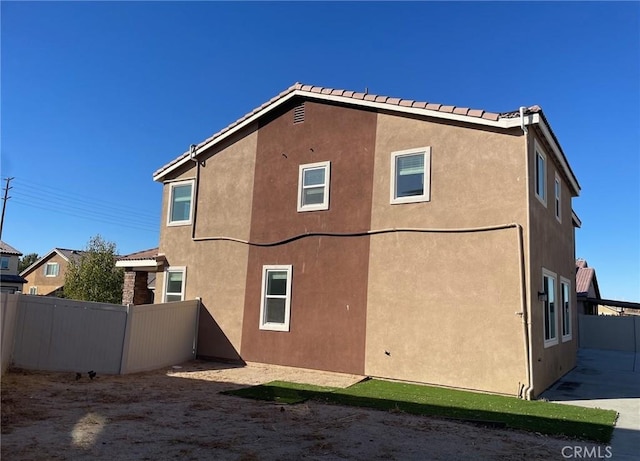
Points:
(139, 276)
(587, 289)
(46, 275)
(590, 302)
(356, 233)
(10, 281)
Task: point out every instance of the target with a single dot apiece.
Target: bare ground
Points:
(180, 414)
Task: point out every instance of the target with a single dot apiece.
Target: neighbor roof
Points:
(7, 249)
(140, 255)
(585, 276)
(510, 119)
(69, 255)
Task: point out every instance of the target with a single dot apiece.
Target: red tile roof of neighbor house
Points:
(140, 255)
(356, 97)
(585, 276)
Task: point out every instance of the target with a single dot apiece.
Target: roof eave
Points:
(187, 156)
(41, 260)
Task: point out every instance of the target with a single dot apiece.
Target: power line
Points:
(89, 218)
(67, 196)
(118, 215)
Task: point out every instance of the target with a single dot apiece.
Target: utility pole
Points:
(4, 203)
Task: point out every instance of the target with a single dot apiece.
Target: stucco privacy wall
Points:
(329, 281)
(443, 306)
(551, 247)
(216, 270)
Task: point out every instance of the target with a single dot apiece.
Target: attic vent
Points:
(298, 113)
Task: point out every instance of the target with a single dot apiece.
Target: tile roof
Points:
(11, 278)
(140, 255)
(71, 255)
(356, 96)
(584, 278)
(8, 249)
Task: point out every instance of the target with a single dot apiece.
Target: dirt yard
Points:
(178, 413)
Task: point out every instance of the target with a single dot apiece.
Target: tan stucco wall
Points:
(45, 284)
(216, 271)
(444, 305)
(551, 247)
(13, 264)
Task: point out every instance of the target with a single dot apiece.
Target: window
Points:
(33, 290)
(180, 198)
(4, 263)
(541, 175)
(549, 302)
(51, 269)
(565, 294)
(313, 186)
(174, 279)
(411, 175)
(275, 305)
(558, 191)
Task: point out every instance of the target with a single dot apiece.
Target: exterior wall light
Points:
(542, 296)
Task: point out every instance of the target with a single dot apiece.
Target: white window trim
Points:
(33, 290)
(554, 277)
(182, 269)
(426, 194)
(184, 222)
(327, 181)
(540, 152)
(5, 258)
(569, 336)
(287, 307)
(57, 271)
(557, 193)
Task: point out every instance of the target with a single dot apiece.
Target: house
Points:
(387, 237)
(46, 275)
(587, 289)
(10, 281)
(589, 300)
(139, 276)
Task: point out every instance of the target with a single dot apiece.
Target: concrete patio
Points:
(610, 380)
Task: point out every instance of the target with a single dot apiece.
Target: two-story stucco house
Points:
(10, 281)
(46, 275)
(344, 231)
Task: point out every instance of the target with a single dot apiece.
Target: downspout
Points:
(192, 156)
(527, 391)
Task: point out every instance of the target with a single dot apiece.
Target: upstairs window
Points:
(51, 269)
(33, 290)
(174, 279)
(180, 198)
(558, 192)
(541, 176)
(4, 263)
(313, 186)
(411, 175)
(275, 305)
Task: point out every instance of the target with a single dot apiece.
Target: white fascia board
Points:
(503, 123)
(137, 263)
(558, 154)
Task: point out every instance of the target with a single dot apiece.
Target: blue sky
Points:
(97, 95)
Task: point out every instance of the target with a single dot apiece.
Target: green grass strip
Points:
(492, 410)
